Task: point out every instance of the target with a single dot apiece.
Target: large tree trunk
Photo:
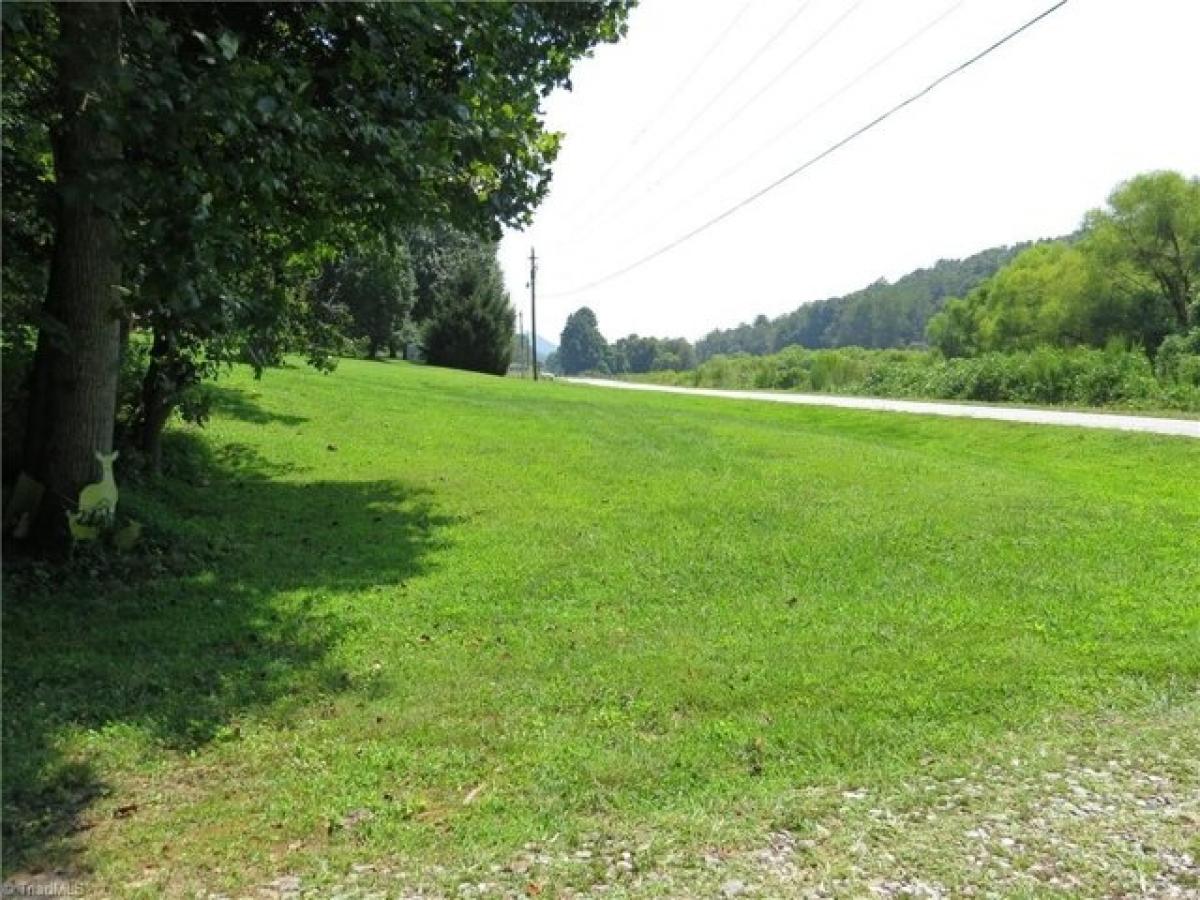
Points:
(77, 359)
(160, 392)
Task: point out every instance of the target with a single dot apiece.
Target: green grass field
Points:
(411, 620)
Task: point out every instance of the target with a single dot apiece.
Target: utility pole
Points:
(533, 310)
(523, 356)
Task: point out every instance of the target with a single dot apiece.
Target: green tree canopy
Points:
(376, 287)
(1132, 276)
(1041, 297)
(880, 315)
(224, 148)
(582, 348)
(1149, 238)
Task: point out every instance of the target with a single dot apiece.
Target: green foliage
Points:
(437, 251)
(1069, 376)
(256, 136)
(17, 344)
(1149, 237)
(1132, 277)
(26, 170)
(377, 288)
(472, 325)
(1041, 297)
(582, 348)
(634, 354)
(954, 331)
(1178, 359)
(881, 315)
(1053, 294)
(1132, 274)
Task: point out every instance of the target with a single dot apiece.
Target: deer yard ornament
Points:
(97, 502)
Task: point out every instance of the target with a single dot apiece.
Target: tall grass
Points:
(1075, 377)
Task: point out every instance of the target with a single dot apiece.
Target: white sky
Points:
(1018, 146)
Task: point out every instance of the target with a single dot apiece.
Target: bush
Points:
(1178, 359)
(1115, 377)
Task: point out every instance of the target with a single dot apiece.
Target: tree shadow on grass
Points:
(239, 404)
(223, 617)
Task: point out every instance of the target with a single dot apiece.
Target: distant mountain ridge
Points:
(545, 347)
(881, 315)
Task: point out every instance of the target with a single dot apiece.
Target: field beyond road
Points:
(400, 628)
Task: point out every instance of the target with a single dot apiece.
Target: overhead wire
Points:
(618, 193)
(813, 110)
(807, 164)
(736, 114)
(722, 36)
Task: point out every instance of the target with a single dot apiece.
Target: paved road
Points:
(1113, 421)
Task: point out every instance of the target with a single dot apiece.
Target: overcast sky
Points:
(705, 102)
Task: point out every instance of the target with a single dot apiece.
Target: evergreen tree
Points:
(472, 323)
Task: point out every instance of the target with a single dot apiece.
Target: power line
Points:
(709, 183)
(754, 57)
(720, 217)
(678, 89)
(855, 81)
(723, 125)
(696, 68)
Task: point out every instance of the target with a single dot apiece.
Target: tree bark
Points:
(76, 364)
(160, 392)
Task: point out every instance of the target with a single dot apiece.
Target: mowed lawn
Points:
(405, 617)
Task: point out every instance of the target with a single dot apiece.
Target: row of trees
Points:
(583, 348)
(1131, 276)
(436, 289)
(882, 315)
(185, 172)
(879, 316)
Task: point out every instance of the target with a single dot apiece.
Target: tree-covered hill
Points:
(878, 316)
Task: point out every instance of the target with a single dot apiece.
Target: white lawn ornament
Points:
(98, 501)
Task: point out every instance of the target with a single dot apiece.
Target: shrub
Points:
(1078, 376)
(1178, 359)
